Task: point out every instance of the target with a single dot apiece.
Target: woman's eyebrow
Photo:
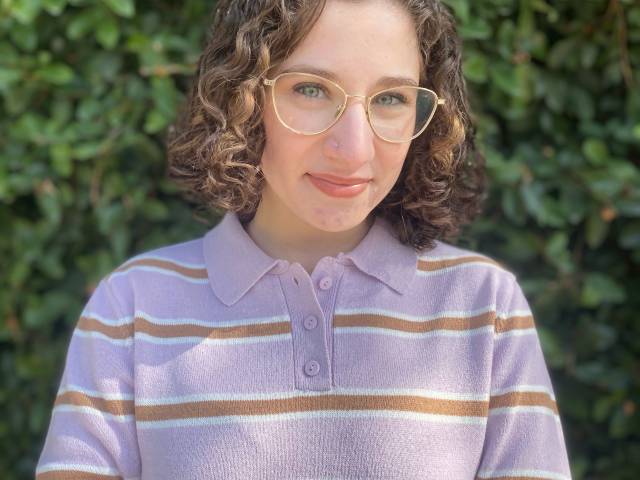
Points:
(387, 81)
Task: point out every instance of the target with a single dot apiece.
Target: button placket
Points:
(325, 283)
(310, 322)
(327, 277)
(312, 368)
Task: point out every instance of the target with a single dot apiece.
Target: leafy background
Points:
(89, 87)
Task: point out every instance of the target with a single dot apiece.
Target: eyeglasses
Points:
(309, 104)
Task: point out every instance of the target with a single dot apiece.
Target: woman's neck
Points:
(285, 236)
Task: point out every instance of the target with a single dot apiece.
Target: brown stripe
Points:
(215, 408)
(514, 323)
(509, 477)
(114, 407)
(167, 265)
(90, 324)
(434, 265)
(185, 330)
(528, 399)
(75, 475)
(264, 329)
(392, 323)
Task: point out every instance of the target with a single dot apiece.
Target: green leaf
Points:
(599, 288)
(156, 121)
(84, 22)
(154, 209)
(460, 8)
(630, 236)
(596, 151)
(505, 79)
(9, 77)
(596, 229)
(25, 37)
(551, 346)
(25, 11)
(54, 7)
(557, 252)
(61, 159)
(477, 28)
(602, 184)
(475, 67)
(512, 206)
(56, 73)
(124, 8)
(629, 207)
(107, 33)
(86, 150)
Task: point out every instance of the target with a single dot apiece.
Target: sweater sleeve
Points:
(524, 437)
(92, 433)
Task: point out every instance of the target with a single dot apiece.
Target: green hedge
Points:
(89, 87)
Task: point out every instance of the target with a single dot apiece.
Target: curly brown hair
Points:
(217, 142)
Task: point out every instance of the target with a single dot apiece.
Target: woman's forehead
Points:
(355, 39)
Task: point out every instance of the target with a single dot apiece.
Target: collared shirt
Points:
(211, 359)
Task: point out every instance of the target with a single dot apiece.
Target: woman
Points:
(323, 329)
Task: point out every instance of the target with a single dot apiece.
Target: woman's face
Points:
(360, 43)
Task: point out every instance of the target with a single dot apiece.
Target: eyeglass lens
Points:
(310, 104)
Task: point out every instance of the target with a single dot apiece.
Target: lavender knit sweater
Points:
(209, 359)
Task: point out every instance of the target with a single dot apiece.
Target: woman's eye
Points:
(309, 90)
(390, 99)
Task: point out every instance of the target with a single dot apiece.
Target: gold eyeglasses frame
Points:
(343, 107)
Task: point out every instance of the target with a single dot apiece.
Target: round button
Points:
(312, 368)
(310, 322)
(326, 283)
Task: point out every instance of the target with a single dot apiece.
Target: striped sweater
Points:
(208, 359)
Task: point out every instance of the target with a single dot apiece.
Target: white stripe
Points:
(514, 313)
(488, 329)
(523, 473)
(523, 409)
(164, 271)
(212, 322)
(435, 258)
(310, 394)
(94, 393)
(434, 316)
(114, 322)
(54, 466)
(121, 342)
(201, 266)
(517, 332)
(212, 341)
(524, 388)
(191, 422)
(430, 273)
(93, 411)
(416, 318)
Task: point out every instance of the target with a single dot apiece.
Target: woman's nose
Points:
(353, 135)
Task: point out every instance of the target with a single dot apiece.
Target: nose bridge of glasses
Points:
(362, 97)
(342, 108)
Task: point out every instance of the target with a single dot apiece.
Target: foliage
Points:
(88, 88)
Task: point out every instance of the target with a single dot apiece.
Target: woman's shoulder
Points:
(183, 258)
(159, 269)
(446, 256)
(467, 270)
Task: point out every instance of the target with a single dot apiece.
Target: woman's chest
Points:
(376, 397)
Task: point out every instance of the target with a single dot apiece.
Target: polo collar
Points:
(235, 263)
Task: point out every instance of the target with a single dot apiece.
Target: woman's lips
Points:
(335, 190)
